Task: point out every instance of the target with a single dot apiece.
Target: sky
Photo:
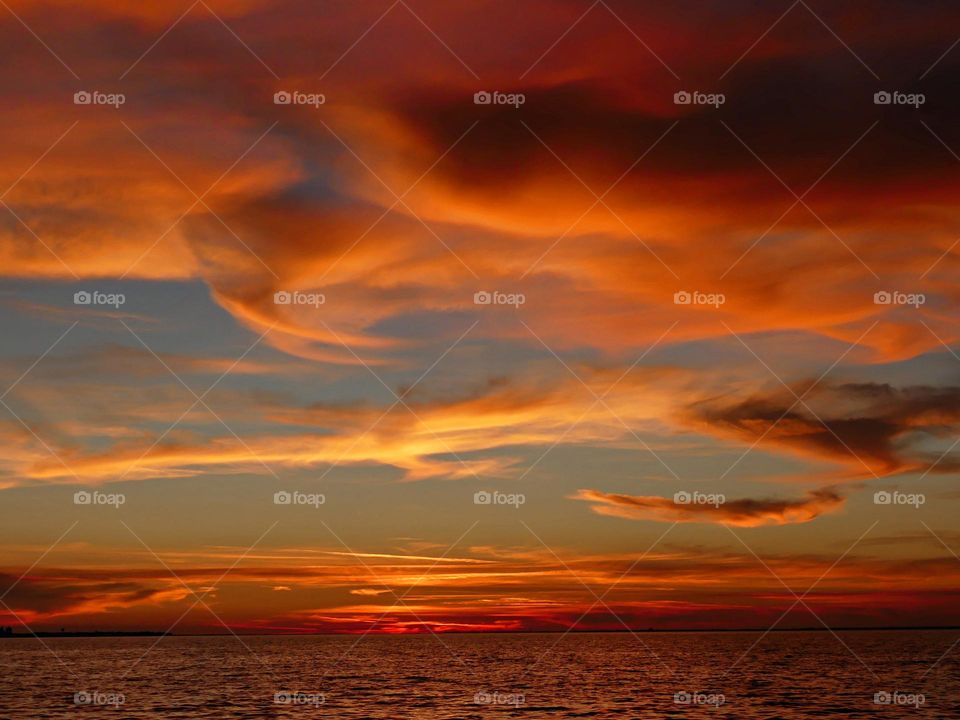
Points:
(517, 316)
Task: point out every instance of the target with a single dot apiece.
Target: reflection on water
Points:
(742, 675)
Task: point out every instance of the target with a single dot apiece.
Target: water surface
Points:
(742, 675)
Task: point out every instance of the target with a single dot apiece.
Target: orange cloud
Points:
(302, 211)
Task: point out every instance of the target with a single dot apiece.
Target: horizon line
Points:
(648, 631)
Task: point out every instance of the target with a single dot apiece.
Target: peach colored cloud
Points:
(429, 436)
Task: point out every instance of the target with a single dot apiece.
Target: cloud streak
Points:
(743, 512)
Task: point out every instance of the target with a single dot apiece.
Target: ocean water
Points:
(739, 675)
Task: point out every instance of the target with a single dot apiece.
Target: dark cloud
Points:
(878, 425)
(745, 512)
(64, 594)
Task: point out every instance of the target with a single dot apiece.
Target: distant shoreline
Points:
(647, 631)
(88, 633)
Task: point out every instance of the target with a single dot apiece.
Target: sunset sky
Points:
(790, 214)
